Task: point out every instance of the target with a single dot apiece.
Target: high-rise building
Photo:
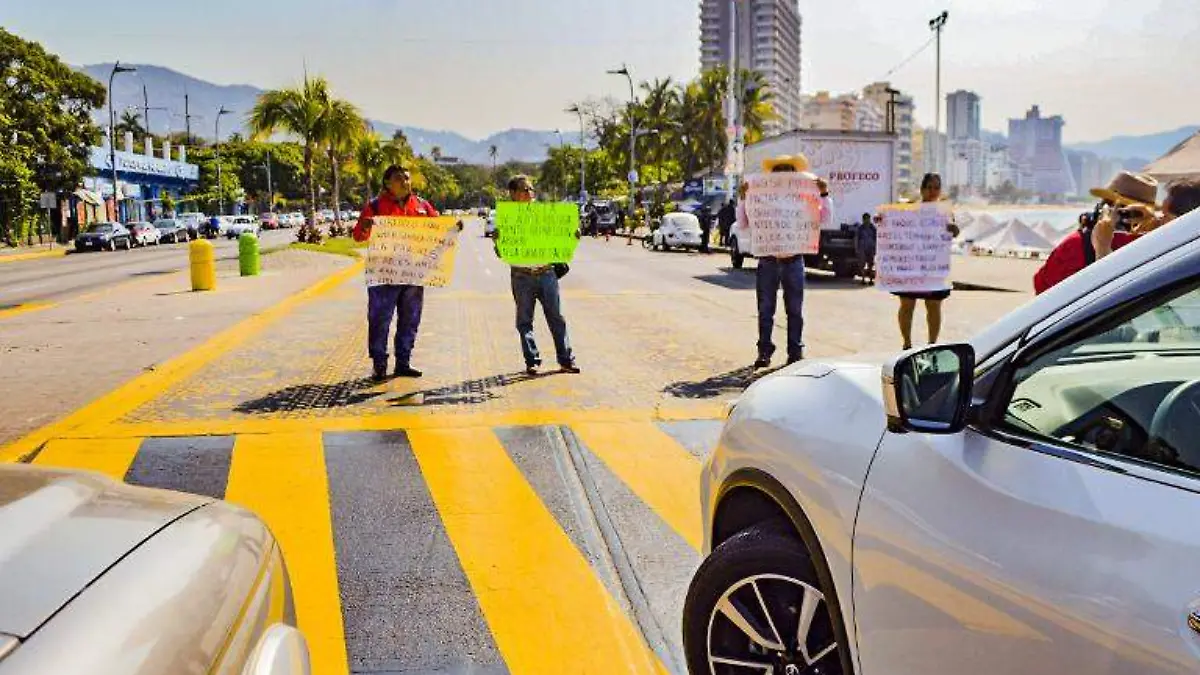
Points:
(768, 41)
(846, 112)
(962, 116)
(1035, 145)
(899, 107)
(966, 165)
(933, 150)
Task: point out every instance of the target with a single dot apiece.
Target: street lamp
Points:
(270, 190)
(220, 191)
(936, 24)
(582, 153)
(624, 70)
(112, 133)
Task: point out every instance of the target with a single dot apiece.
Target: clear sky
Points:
(1110, 67)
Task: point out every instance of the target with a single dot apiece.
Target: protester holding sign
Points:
(386, 300)
(782, 210)
(912, 258)
(537, 240)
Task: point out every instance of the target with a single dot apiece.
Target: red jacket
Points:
(1068, 258)
(386, 204)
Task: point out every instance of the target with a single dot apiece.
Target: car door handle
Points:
(1194, 621)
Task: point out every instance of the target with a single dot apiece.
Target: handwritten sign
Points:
(412, 251)
(912, 248)
(784, 212)
(535, 233)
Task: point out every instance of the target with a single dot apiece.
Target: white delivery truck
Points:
(858, 165)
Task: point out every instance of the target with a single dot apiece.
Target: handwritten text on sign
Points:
(535, 233)
(412, 251)
(912, 249)
(784, 210)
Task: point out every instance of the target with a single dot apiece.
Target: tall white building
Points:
(933, 151)
(962, 116)
(965, 165)
(768, 41)
(879, 94)
(1035, 144)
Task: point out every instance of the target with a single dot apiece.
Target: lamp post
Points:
(582, 154)
(270, 190)
(936, 24)
(112, 133)
(624, 70)
(220, 191)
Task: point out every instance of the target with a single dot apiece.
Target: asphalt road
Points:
(48, 280)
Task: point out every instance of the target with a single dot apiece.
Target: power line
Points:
(906, 61)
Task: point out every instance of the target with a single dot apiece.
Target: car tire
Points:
(761, 570)
(845, 269)
(111, 245)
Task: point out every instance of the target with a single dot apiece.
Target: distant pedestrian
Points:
(705, 216)
(534, 284)
(931, 191)
(864, 246)
(404, 301)
(726, 217)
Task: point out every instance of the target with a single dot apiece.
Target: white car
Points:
(1026, 502)
(681, 230)
(242, 225)
(489, 227)
(192, 220)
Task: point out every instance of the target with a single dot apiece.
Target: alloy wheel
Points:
(771, 624)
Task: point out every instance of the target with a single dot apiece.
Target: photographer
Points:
(1138, 219)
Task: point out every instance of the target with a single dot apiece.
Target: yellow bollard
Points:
(204, 265)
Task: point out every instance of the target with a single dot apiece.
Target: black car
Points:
(110, 236)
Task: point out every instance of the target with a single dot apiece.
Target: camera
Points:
(1126, 219)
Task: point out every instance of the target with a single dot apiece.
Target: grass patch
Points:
(336, 246)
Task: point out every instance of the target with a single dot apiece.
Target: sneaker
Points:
(407, 371)
(793, 359)
(379, 373)
(571, 368)
(531, 370)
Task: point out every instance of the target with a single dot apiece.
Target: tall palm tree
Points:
(493, 152)
(658, 109)
(298, 111)
(436, 152)
(343, 125)
(757, 106)
(371, 157)
(130, 122)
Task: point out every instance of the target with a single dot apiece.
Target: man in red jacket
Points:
(384, 302)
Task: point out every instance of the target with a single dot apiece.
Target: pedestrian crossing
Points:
(540, 549)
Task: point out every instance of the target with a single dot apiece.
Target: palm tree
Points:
(757, 108)
(343, 125)
(493, 152)
(372, 155)
(658, 110)
(298, 111)
(436, 153)
(130, 122)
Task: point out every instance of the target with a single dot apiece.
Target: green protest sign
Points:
(536, 233)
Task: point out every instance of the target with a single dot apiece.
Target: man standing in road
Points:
(725, 220)
(531, 285)
(387, 301)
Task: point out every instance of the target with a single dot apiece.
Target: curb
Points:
(16, 257)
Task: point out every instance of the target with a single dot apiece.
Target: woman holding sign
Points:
(931, 191)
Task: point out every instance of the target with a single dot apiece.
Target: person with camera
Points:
(1137, 220)
(1127, 195)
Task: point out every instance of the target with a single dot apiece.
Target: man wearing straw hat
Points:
(1121, 217)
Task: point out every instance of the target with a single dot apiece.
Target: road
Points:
(48, 280)
(477, 520)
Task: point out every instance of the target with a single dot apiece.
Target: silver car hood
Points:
(60, 530)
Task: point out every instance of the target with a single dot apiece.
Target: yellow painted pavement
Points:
(18, 310)
(282, 478)
(547, 610)
(32, 255)
(109, 456)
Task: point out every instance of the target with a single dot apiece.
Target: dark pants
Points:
(384, 302)
(529, 289)
(773, 273)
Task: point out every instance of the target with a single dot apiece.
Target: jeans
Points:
(384, 302)
(772, 273)
(531, 288)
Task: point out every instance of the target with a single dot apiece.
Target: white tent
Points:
(1181, 161)
(1050, 233)
(1016, 240)
(977, 229)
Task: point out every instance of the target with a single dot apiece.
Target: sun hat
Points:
(1129, 188)
(797, 161)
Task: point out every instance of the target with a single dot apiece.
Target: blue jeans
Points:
(773, 273)
(384, 302)
(527, 290)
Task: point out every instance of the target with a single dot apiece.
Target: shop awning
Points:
(89, 197)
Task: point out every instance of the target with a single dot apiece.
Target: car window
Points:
(101, 227)
(1130, 387)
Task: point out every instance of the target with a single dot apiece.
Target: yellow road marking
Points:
(109, 456)
(282, 479)
(146, 387)
(240, 426)
(659, 471)
(16, 257)
(547, 610)
(24, 309)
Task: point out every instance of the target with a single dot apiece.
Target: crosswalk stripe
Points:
(659, 471)
(281, 477)
(545, 606)
(109, 456)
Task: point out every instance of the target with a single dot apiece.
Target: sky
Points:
(1109, 67)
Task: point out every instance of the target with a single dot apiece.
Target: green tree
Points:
(343, 127)
(372, 155)
(298, 111)
(130, 122)
(494, 153)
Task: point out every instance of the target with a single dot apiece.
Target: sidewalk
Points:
(14, 254)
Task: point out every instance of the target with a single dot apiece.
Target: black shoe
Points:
(763, 362)
(379, 374)
(531, 371)
(571, 368)
(407, 371)
(793, 359)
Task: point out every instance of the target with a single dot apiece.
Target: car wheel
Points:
(111, 245)
(755, 605)
(845, 269)
(735, 257)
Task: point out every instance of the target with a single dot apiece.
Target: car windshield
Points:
(166, 224)
(101, 227)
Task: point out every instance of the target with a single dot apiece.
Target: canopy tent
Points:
(1014, 239)
(1050, 233)
(1181, 161)
(978, 228)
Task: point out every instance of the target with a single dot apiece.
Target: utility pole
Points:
(112, 134)
(734, 100)
(220, 191)
(632, 144)
(187, 116)
(270, 190)
(582, 154)
(936, 24)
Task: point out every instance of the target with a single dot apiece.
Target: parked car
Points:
(269, 221)
(489, 227)
(99, 236)
(193, 221)
(240, 225)
(143, 233)
(606, 218)
(681, 230)
(325, 216)
(170, 230)
(1027, 501)
(103, 577)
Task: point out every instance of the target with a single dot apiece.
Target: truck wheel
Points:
(845, 269)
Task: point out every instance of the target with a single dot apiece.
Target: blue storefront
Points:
(141, 181)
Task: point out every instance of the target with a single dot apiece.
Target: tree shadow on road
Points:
(467, 392)
(311, 397)
(732, 382)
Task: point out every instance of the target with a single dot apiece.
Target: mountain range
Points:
(166, 89)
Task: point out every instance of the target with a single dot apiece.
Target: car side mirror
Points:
(929, 390)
